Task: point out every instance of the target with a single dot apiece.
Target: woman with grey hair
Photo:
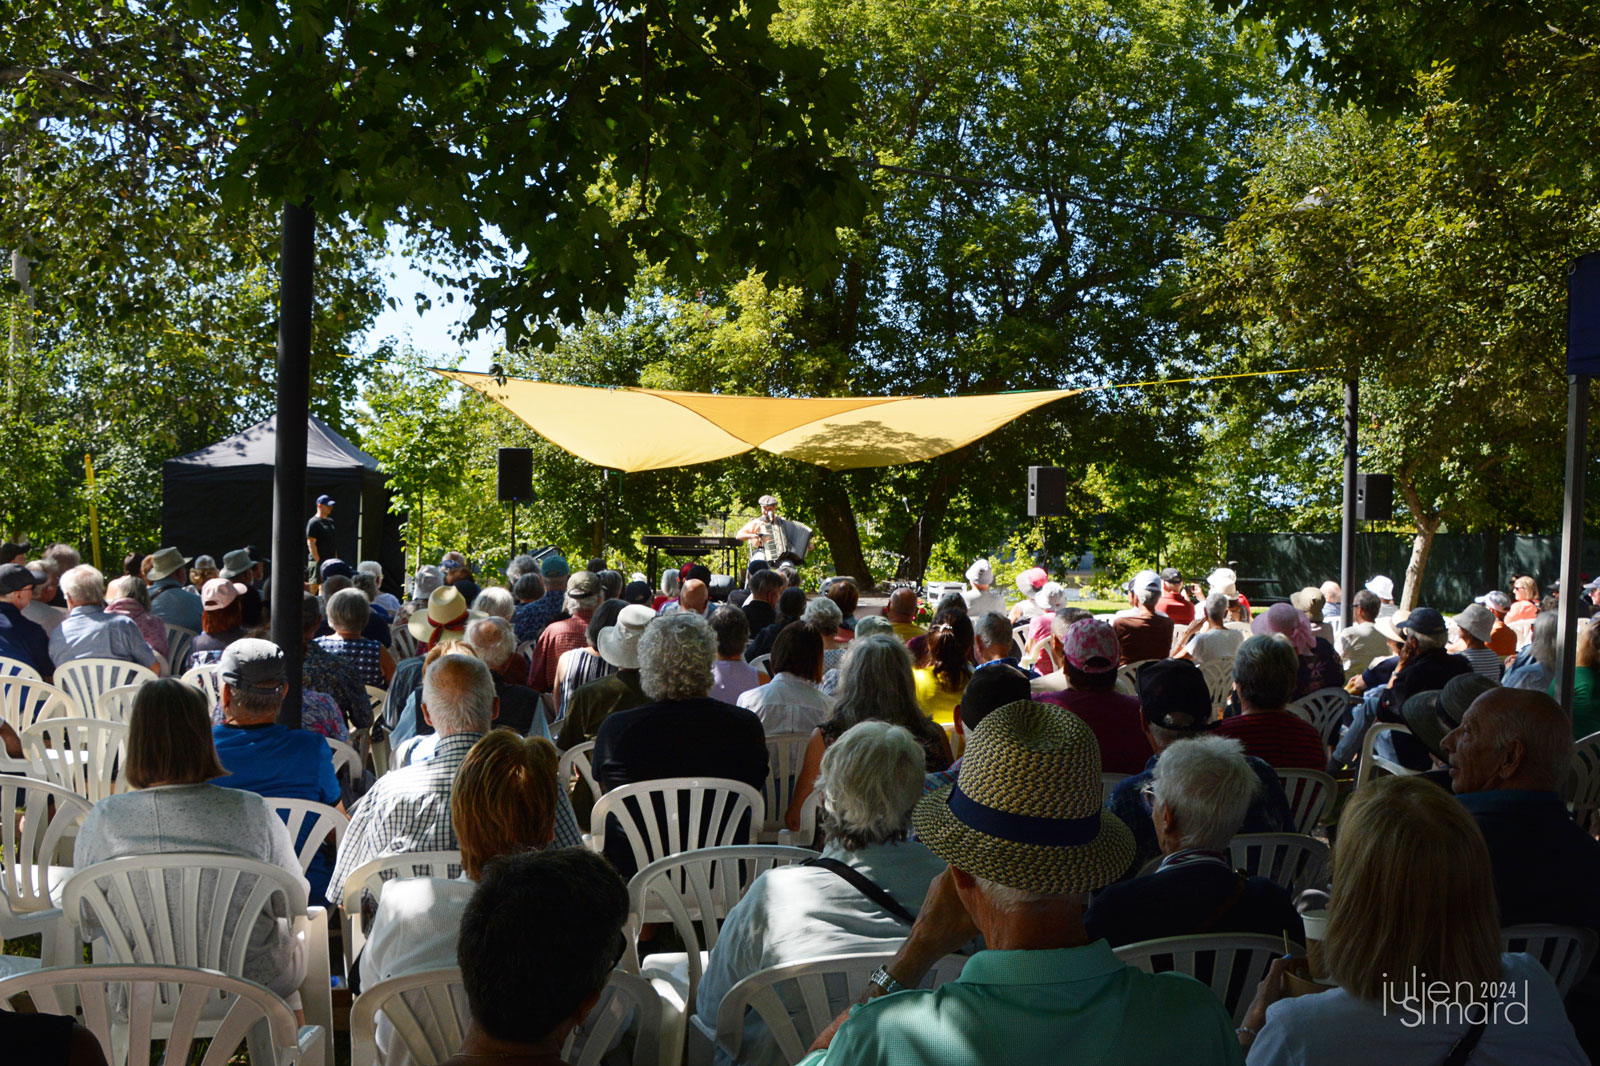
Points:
(1534, 665)
(683, 732)
(1265, 673)
(495, 601)
(348, 612)
(1208, 636)
(129, 597)
(825, 615)
(875, 684)
(862, 895)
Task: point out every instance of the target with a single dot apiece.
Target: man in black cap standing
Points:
(319, 533)
(22, 638)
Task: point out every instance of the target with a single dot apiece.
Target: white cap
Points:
(1381, 587)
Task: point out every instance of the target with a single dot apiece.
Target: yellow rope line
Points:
(235, 340)
(1210, 377)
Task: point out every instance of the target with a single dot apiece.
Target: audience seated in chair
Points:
(580, 666)
(501, 803)
(684, 732)
(944, 662)
(791, 701)
(1026, 841)
(520, 708)
(1319, 665)
(1174, 705)
(1143, 634)
(1265, 673)
(1413, 894)
(1208, 636)
(734, 676)
(21, 638)
(264, 757)
(530, 983)
(88, 632)
(1090, 653)
(871, 779)
(1200, 791)
(875, 684)
(172, 808)
(565, 634)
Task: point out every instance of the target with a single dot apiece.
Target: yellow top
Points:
(935, 702)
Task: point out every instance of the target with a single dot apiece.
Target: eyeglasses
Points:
(1148, 792)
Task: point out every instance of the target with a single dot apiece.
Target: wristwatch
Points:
(884, 981)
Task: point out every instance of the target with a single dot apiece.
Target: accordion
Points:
(785, 539)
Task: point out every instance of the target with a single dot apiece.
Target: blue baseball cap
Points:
(324, 501)
(554, 566)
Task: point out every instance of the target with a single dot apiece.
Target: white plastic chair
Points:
(179, 641)
(133, 1004)
(627, 1002)
(32, 850)
(85, 679)
(1371, 761)
(1583, 783)
(762, 664)
(1310, 794)
(116, 704)
(785, 754)
(10, 667)
(1324, 709)
(575, 760)
(205, 938)
(24, 701)
(206, 677)
(1218, 674)
(1565, 951)
(371, 876)
(825, 986)
(427, 1013)
(345, 758)
(1232, 964)
(1108, 784)
(402, 642)
(694, 891)
(1523, 627)
(806, 835)
(1128, 677)
(323, 821)
(678, 814)
(81, 755)
(1019, 637)
(1292, 860)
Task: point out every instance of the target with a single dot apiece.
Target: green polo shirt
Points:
(1064, 1005)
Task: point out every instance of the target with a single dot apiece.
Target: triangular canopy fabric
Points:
(651, 429)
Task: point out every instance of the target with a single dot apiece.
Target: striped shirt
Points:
(1484, 661)
(1279, 738)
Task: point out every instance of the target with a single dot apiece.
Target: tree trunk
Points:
(920, 537)
(837, 522)
(1421, 547)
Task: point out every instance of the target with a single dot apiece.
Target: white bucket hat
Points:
(619, 644)
(1381, 587)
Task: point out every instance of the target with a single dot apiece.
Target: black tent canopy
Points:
(220, 498)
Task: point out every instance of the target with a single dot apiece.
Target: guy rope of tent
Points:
(631, 429)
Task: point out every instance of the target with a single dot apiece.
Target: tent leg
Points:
(289, 474)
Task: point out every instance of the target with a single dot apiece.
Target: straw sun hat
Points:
(998, 821)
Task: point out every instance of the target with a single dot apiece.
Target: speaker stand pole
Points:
(1347, 522)
(513, 529)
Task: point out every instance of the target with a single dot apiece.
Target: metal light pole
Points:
(1347, 519)
(289, 473)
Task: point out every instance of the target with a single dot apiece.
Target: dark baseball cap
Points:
(14, 577)
(253, 665)
(554, 566)
(992, 687)
(1424, 620)
(336, 568)
(1171, 576)
(325, 501)
(1173, 695)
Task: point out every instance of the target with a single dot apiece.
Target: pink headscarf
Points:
(1289, 621)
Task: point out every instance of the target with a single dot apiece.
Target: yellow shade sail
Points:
(652, 429)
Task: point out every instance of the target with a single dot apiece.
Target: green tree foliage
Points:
(1393, 252)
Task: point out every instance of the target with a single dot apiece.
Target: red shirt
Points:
(1124, 749)
(557, 639)
(1175, 607)
(1281, 739)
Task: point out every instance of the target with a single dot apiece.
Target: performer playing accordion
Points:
(775, 539)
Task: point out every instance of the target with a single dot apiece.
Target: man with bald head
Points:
(693, 595)
(901, 611)
(1509, 759)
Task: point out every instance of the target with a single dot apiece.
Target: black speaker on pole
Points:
(1047, 490)
(513, 481)
(1374, 497)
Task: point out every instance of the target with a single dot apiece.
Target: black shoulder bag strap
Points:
(865, 885)
(1463, 1048)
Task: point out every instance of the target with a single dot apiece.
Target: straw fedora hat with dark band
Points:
(1025, 811)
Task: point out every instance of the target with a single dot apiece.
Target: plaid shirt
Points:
(409, 810)
(557, 639)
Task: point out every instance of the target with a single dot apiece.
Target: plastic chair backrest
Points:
(427, 1011)
(627, 1002)
(1218, 674)
(317, 821)
(120, 1003)
(1232, 964)
(116, 704)
(575, 760)
(785, 753)
(699, 887)
(762, 664)
(370, 877)
(806, 835)
(82, 755)
(1310, 794)
(1565, 951)
(24, 701)
(1324, 709)
(1108, 784)
(1369, 761)
(157, 887)
(761, 992)
(674, 811)
(85, 679)
(375, 698)
(10, 667)
(345, 758)
(1523, 627)
(1019, 637)
(403, 642)
(1583, 783)
(1128, 677)
(207, 677)
(179, 641)
(30, 845)
(1292, 860)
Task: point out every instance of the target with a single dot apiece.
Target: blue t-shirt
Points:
(275, 761)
